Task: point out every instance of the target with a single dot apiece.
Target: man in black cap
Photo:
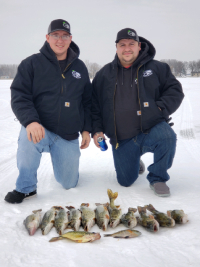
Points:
(133, 97)
(51, 98)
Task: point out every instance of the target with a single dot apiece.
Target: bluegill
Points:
(129, 220)
(74, 218)
(78, 236)
(148, 222)
(163, 219)
(102, 216)
(115, 212)
(32, 222)
(61, 221)
(178, 215)
(88, 217)
(49, 219)
(125, 234)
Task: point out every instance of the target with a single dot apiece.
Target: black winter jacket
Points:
(157, 87)
(61, 102)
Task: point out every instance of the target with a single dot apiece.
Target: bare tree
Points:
(93, 68)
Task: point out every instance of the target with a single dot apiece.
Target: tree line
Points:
(178, 68)
(182, 68)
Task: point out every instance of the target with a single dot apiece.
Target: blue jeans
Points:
(161, 141)
(64, 155)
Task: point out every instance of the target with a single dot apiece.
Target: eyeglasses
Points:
(64, 37)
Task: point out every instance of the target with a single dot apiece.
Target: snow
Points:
(178, 246)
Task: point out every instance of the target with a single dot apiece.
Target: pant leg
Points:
(162, 142)
(28, 161)
(127, 161)
(65, 159)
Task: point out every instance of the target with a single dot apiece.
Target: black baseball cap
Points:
(127, 33)
(59, 25)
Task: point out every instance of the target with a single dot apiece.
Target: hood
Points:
(48, 52)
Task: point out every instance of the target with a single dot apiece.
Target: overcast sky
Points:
(172, 26)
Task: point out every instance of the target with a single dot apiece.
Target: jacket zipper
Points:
(62, 74)
(117, 144)
(138, 96)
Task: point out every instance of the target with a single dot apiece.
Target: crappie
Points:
(178, 215)
(74, 218)
(79, 236)
(49, 219)
(163, 219)
(125, 234)
(129, 220)
(61, 221)
(88, 217)
(32, 222)
(115, 213)
(148, 222)
(102, 216)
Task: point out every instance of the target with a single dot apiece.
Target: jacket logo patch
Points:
(139, 112)
(146, 104)
(76, 74)
(67, 104)
(147, 73)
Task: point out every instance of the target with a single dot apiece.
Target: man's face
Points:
(59, 46)
(127, 51)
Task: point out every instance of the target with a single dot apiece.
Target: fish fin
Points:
(169, 213)
(117, 207)
(108, 235)
(55, 239)
(132, 209)
(69, 207)
(151, 216)
(107, 216)
(35, 211)
(98, 204)
(53, 222)
(85, 204)
(57, 207)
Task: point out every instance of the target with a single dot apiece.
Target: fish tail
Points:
(85, 204)
(132, 209)
(141, 209)
(35, 211)
(70, 207)
(57, 207)
(55, 239)
(150, 207)
(112, 195)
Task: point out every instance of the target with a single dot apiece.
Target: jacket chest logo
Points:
(147, 73)
(76, 74)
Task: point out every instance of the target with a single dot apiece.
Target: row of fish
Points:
(103, 215)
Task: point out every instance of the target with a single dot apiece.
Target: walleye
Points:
(78, 236)
(115, 213)
(178, 215)
(129, 220)
(48, 220)
(32, 222)
(163, 219)
(102, 216)
(147, 222)
(125, 234)
(61, 221)
(88, 217)
(74, 218)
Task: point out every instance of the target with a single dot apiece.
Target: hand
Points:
(96, 135)
(35, 131)
(85, 140)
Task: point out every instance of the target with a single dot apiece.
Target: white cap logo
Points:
(131, 33)
(65, 25)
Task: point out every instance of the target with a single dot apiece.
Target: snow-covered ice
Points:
(177, 247)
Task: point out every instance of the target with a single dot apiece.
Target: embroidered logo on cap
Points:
(139, 112)
(147, 73)
(65, 25)
(146, 104)
(67, 104)
(131, 33)
(76, 74)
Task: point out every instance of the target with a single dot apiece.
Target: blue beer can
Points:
(102, 143)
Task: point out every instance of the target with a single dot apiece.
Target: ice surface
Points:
(178, 246)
